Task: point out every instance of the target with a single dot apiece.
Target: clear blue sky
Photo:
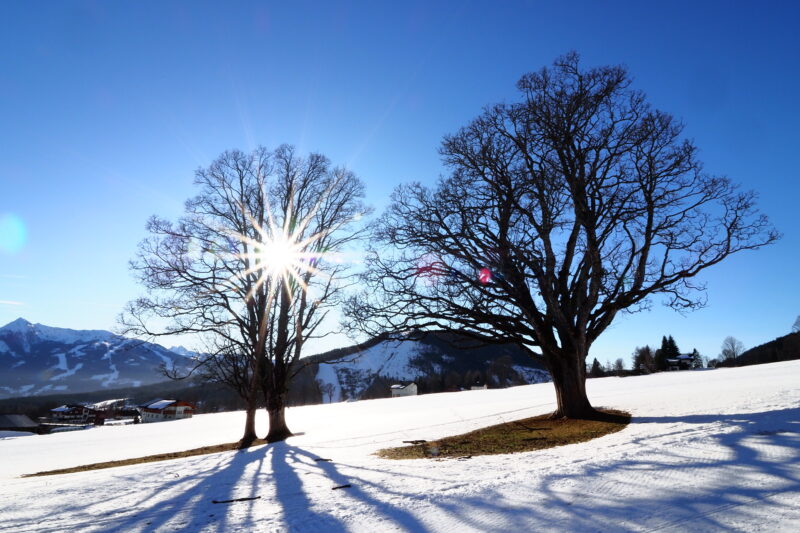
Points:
(107, 108)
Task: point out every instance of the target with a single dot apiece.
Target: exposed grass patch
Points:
(519, 436)
(205, 450)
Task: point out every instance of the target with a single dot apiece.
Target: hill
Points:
(786, 348)
(437, 361)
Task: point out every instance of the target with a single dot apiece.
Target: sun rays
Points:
(279, 254)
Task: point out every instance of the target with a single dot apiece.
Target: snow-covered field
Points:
(707, 451)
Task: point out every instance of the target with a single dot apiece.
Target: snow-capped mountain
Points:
(37, 359)
(436, 361)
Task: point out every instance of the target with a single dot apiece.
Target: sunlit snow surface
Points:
(707, 451)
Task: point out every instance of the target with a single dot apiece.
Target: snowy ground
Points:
(707, 451)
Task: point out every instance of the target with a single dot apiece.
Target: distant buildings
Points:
(684, 361)
(404, 390)
(76, 414)
(161, 410)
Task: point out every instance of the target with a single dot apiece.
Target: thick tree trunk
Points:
(276, 408)
(569, 379)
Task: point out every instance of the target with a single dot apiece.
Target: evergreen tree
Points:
(597, 369)
(674, 351)
(661, 355)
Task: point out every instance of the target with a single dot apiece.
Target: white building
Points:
(160, 410)
(404, 390)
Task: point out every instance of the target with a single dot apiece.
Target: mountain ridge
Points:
(37, 359)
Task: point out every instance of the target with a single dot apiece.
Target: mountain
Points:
(37, 359)
(437, 361)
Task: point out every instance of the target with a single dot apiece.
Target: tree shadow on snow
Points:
(753, 461)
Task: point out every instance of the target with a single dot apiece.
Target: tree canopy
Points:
(561, 210)
(252, 267)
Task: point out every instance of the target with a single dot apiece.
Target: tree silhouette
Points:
(562, 210)
(251, 267)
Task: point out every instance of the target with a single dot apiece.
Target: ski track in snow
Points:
(707, 451)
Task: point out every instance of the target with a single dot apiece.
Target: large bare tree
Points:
(562, 210)
(253, 267)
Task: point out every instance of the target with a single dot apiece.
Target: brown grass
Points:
(519, 436)
(148, 459)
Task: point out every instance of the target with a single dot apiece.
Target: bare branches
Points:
(253, 264)
(561, 210)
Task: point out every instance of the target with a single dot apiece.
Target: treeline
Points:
(786, 348)
(646, 360)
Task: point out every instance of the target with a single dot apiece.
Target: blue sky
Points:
(107, 108)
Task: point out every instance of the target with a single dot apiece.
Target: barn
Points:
(410, 389)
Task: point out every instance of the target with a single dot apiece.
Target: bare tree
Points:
(619, 366)
(251, 266)
(644, 359)
(732, 348)
(796, 326)
(561, 211)
(327, 390)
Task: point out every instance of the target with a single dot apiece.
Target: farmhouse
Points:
(76, 414)
(684, 361)
(160, 410)
(404, 390)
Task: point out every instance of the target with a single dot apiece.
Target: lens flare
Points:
(12, 233)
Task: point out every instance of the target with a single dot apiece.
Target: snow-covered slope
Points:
(709, 451)
(37, 359)
(432, 360)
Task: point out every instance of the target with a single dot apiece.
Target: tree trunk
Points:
(252, 404)
(276, 408)
(249, 424)
(569, 379)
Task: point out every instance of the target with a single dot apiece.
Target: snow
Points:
(387, 358)
(108, 403)
(14, 434)
(160, 404)
(111, 377)
(166, 360)
(67, 373)
(706, 451)
(532, 375)
(62, 335)
(181, 350)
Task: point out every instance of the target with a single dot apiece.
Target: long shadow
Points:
(286, 461)
(178, 498)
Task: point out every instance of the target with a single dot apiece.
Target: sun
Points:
(277, 256)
